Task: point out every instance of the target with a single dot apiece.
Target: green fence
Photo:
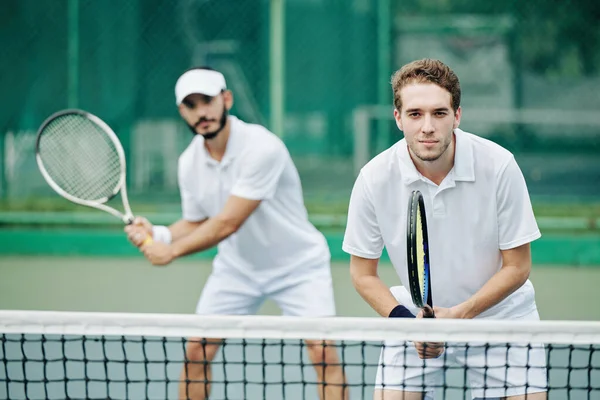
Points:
(316, 72)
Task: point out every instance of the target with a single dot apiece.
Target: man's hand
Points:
(453, 312)
(429, 349)
(138, 231)
(426, 312)
(158, 253)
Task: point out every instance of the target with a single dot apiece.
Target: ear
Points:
(457, 116)
(228, 98)
(398, 118)
(181, 108)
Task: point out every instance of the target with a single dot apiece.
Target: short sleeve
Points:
(191, 209)
(516, 220)
(260, 172)
(362, 237)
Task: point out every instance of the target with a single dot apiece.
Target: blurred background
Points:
(317, 73)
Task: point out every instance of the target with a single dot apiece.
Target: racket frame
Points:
(416, 205)
(121, 187)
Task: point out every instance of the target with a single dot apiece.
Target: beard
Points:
(431, 154)
(213, 134)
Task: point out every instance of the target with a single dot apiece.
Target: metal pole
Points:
(384, 48)
(73, 54)
(277, 66)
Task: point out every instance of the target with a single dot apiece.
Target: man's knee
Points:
(322, 352)
(200, 349)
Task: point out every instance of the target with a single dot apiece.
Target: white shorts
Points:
(492, 371)
(229, 292)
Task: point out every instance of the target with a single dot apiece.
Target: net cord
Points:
(277, 327)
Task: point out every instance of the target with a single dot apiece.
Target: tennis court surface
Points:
(82, 352)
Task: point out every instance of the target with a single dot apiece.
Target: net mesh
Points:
(80, 157)
(50, 355)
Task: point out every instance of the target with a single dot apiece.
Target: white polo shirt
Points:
(277, 237)
(480, 208)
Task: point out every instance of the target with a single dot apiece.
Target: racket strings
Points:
(83, 157)
(80, 158)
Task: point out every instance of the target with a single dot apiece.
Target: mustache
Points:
(201, 120)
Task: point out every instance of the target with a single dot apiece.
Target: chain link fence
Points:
(530, 73)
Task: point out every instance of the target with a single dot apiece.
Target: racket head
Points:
(82, 159)
(417, 239)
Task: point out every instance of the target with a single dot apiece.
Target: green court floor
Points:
(130, 284)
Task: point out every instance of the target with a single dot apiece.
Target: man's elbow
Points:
(359, 277)
(523, 272)
(227, 225)
(519, 261)
(355, 278)
(526, 273)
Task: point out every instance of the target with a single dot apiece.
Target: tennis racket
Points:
(419, 277)
(83, 160)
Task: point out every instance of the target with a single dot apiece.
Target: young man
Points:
(480, 223)
(240, 191)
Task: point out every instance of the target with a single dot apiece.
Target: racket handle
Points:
(428, 312)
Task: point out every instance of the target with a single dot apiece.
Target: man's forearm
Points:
(208, 234)
(183, 228)
(499, 287)
(376, 293)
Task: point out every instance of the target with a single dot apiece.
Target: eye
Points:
(413, 114)
(189, 104)
(441, 113)
(207, 99)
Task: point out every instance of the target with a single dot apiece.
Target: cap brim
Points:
(199, 81)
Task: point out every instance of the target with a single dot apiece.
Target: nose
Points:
(427, 126)
(199, 113)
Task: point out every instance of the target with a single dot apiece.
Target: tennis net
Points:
(72, 355)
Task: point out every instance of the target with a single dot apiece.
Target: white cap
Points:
(203, 81)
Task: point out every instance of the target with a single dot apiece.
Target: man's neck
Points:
(216, 147)
(436, 171)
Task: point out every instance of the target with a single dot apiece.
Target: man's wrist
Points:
(176, 250)
(465, 310)
(174, 254)
(400, 312)
(161, 234)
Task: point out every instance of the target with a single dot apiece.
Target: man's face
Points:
(427, 119)
(206, 115)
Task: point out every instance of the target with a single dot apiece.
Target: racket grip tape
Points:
(148, 240)
(428, 312)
